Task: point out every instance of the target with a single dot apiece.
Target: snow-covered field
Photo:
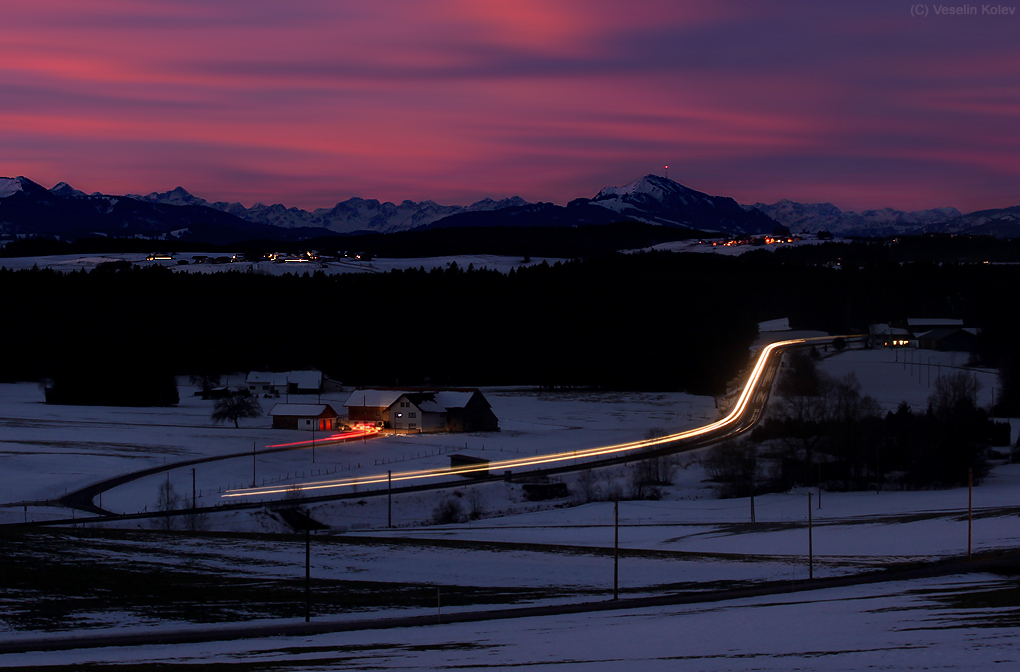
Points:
(892, 376)
(522, 552)
(54, 449)
(954, 623)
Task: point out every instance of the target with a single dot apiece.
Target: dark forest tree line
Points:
(641, 321)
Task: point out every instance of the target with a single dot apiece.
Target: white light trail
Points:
(730, 419)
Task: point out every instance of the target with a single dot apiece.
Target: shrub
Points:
(450, 510)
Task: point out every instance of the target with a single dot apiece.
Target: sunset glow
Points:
(307, 104)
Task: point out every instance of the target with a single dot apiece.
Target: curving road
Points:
(742, 416)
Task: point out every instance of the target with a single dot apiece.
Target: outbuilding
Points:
(948, 340)
(270, 384)
(322, 417)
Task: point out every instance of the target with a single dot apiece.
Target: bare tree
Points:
(588, 485)
(238, 405)
(733, 465)
(476, 503)
(847, 403)
(293, 495)
(954, 393)
(167, 500)
(206, 383)
(194, 521)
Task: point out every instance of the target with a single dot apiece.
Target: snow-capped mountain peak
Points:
(11, 185)
(176, 196)
(659, 200)
(65, 190)
(653, 186)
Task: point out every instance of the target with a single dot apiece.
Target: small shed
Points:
(322, 417)
(479, 465)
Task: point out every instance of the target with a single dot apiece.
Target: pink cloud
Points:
(307, 104)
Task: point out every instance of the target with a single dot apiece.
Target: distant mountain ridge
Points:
(889, 222)
(28, 209)
(813, 217)
(354, 214)
(651, 199)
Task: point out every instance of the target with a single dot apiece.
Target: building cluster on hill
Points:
(942, 334)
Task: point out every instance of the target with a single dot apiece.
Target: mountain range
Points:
(28, 209)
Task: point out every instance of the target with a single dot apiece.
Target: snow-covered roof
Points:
(886, 330)
(301, 410)
(781, 324)
(440, 402)
(306, 380)
(943, 332)
(373, 398)
(933, 322)
(433, 402)
(453, 399)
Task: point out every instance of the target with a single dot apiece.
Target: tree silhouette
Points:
(237, 405)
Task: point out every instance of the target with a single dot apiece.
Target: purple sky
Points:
(311, 102)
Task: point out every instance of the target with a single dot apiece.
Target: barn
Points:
(322, 417)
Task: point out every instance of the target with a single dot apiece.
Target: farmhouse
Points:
(264, 383)
(304, 416)
(889, 336)
(455, 410)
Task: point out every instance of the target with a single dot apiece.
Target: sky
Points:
(864, 104)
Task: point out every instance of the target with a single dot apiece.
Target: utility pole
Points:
(192, 488)
(308, 574)
(616, 549)
(970, 507)
(253, 464)
(752, 468)
(389, 498)
(810, 541)
(313, 444)
(819, 486)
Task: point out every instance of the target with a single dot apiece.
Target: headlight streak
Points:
(731, 418)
